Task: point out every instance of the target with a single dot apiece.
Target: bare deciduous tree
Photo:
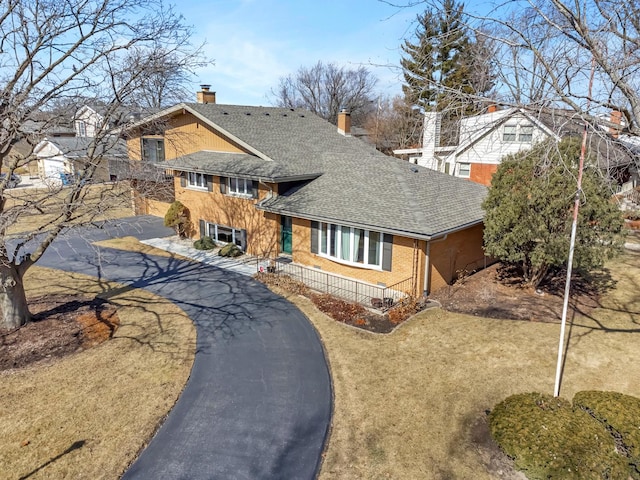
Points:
(325, 89)
(394, 125)
(553, 44)
(55, 52)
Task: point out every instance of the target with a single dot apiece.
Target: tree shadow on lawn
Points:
(74, 446)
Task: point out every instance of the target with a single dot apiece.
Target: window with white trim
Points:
(81, 128)
(224, 234)
(464, 170)
(239, 186)
(350, 245)
(509, 133)
(525, 135)
(517, 133)
(196, 180)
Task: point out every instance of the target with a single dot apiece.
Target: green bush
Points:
(230, 250)
(177, 216)
(547, 438)
(205, 243)
(621, 415)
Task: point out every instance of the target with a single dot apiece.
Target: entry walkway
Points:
(244, 265)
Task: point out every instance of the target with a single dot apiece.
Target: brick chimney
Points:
(492, 108)
(205, 95)
(344, 122)
(616, 117)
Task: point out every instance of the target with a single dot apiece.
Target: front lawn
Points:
(413, 404)
(88, 414)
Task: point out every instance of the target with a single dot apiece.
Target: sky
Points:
(254, 43)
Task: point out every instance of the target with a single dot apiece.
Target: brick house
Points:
(284, 182)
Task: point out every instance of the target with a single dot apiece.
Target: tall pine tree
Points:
(441, 68)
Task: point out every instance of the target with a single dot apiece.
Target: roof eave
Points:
(392, 231)
(185, 107)
(226, 173)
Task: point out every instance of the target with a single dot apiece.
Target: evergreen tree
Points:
(529, 211)
(442, 69)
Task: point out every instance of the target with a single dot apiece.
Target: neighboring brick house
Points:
(485, 139)
(281, 181)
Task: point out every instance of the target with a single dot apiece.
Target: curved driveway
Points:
(258, 402)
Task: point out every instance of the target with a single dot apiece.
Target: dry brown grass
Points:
(411, 404)
(37, 208)
(87, 415)
(132, 244)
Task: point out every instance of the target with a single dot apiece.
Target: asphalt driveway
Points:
(258, 402)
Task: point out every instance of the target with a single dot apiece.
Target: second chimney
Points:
(344, 122)
(615, 118)
(205, 95)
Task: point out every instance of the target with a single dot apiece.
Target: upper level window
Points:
(239, 186)
(153, 149)
(517, 133)
(196, 180)
(81, 128)
(525, 134)
(509, 133)
(350, 245)
(464, 170)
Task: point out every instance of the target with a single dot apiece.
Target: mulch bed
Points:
(498, 292)
(61, 325)
(346, 312)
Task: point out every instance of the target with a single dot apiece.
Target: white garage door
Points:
(52, 169)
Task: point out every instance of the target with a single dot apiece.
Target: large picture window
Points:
(350, 245)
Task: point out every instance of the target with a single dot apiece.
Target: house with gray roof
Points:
(486, 138)
(285, 183)
(63, 159)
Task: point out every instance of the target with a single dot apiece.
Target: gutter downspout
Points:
(427, 265)
(269, 194)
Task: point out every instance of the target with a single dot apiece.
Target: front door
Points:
(286, 234)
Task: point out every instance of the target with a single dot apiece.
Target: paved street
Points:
(258, 402)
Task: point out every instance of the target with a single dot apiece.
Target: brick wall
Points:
(459, 252)
(402, 264)
(482, 173)
(263, 229)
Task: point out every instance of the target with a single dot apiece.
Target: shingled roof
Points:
(342, 179)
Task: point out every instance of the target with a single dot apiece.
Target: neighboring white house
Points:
(87, 121)
(485, 139)
(62, 160)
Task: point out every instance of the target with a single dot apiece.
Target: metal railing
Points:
(367, 294)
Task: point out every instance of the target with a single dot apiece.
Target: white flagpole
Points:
(572, 243)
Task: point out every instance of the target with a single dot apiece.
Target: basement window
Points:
(225, 234)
